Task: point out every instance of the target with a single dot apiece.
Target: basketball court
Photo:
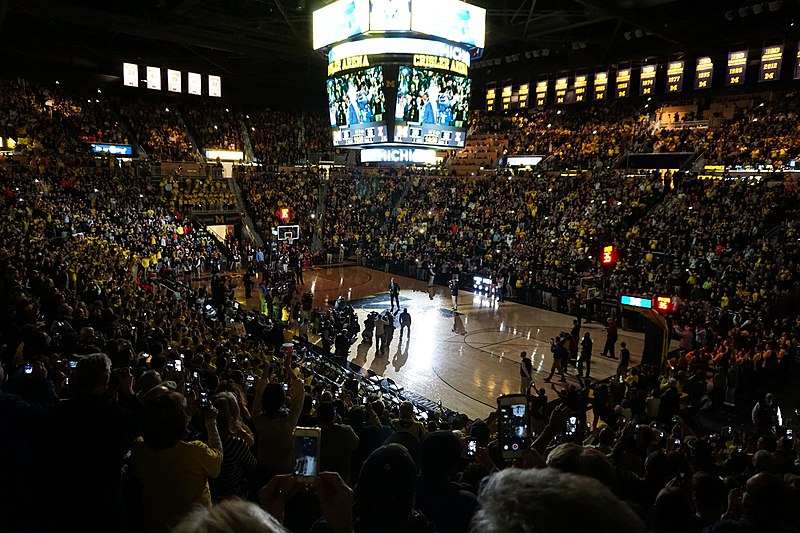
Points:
(465, 358)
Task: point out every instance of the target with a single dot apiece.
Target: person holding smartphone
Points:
(275, 422)
(173, 473)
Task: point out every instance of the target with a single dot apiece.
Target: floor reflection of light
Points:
(314, 286)
(341, 281)
(503, 325)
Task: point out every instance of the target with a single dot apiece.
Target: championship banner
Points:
(623, 83)
(600, 85)
(541, 93)
(647, 80)
(704, 71)
(675, 77)
(561, 90)
(580, 87)
(771, 61)
(737, 63)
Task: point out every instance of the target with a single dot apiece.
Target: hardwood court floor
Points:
(465, 358)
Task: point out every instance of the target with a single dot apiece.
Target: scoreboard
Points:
(398, 70)
(675, 77)
(771, 60)
(737, 63)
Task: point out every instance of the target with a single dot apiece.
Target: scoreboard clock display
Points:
(737, 63)
(771, 60)
(704, 71)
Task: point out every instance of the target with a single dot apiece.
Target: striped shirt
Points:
(237, 463)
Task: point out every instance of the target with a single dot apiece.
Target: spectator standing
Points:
(173, 473)
(766, 415)
(237, 460)
(394, 293)
(611, 338)
(560, 354)
(337, 442)
(525, 373)
(454, 294)
(624, 359)
(405, 323)
(586, 355)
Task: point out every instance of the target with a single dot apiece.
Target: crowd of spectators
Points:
(158, 130)
(200, 194)
(129, 404)
(214, 126)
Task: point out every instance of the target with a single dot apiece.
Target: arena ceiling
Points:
(264, 46)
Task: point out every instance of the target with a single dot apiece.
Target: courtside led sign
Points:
(113, 149)
(636, 301)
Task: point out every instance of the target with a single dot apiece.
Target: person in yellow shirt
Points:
(173, 473)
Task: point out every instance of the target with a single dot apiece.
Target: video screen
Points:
(431, 108)
(357, 107)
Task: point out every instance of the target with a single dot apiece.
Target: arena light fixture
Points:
(758, 9)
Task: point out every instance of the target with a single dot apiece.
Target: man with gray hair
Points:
(548, 501)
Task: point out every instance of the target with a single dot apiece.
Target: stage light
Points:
(774, 6)
(729, 15)
(743, 12)
(628, 36)
(758, 9)
(638, 33)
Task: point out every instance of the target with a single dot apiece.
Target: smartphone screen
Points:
(472, 447)
(572, 425)
(28, 369)
(73, 364)
(204, 399)
(178, 365)
(305, 456)
(513, 427)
